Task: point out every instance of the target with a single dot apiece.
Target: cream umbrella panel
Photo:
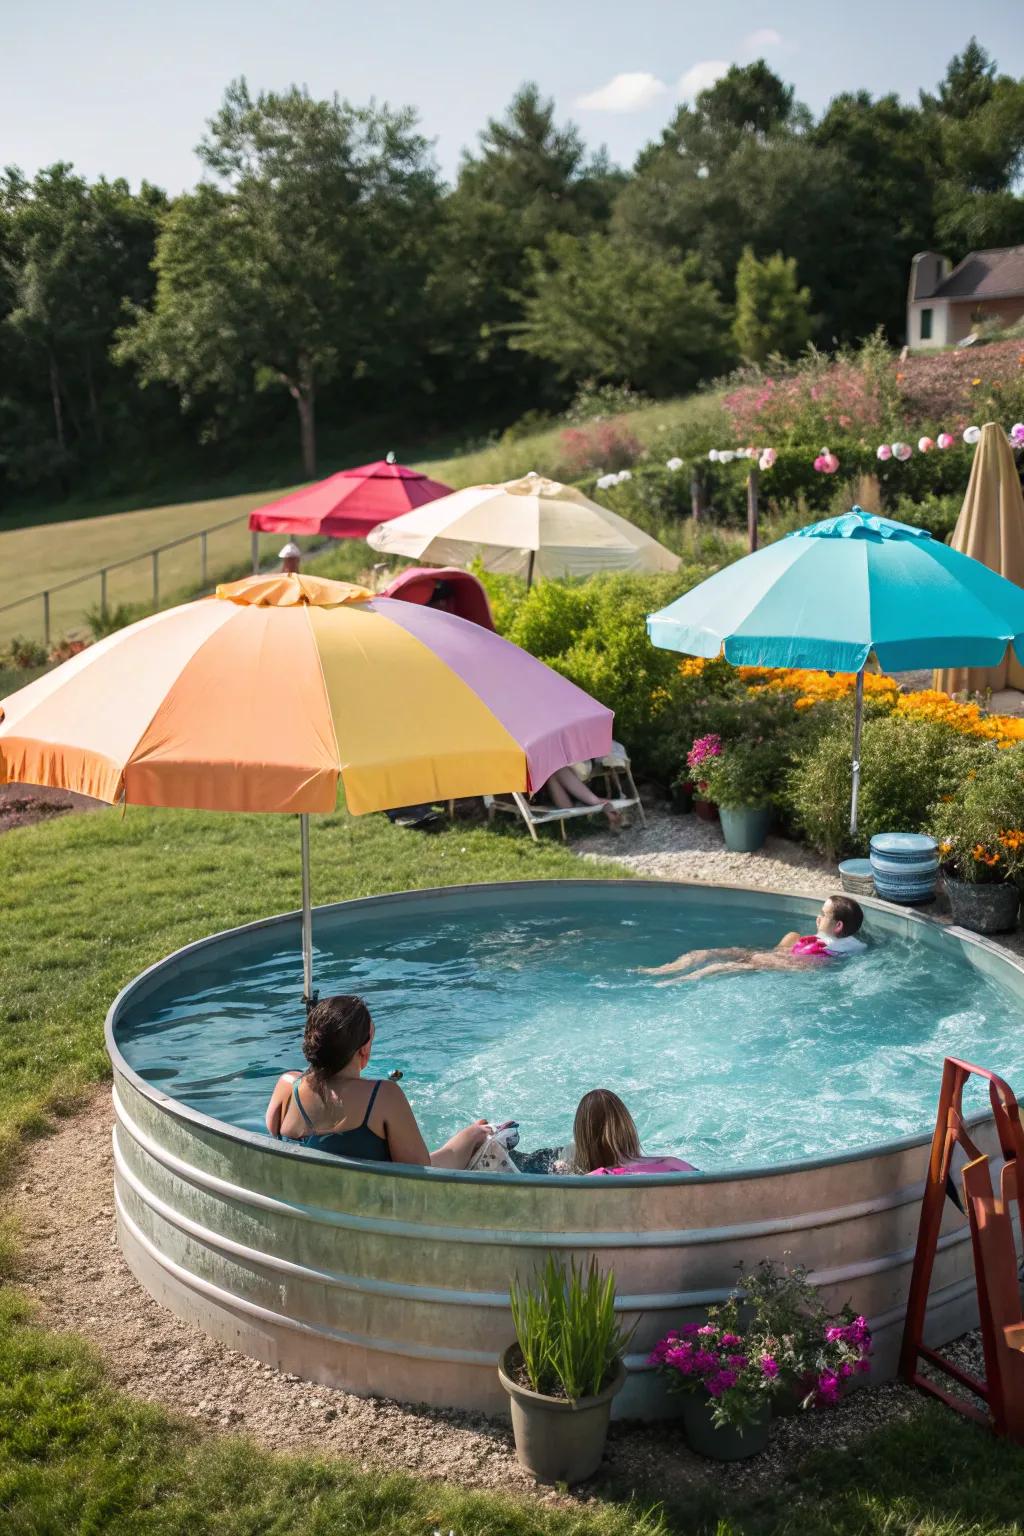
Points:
(529, 527)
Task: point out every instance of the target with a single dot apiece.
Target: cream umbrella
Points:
(990, 528)
(531, 527)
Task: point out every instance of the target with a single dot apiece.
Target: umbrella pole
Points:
(308, 995)
(529, 569)
(858, 721)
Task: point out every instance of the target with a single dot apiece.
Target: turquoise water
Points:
(492, 1008)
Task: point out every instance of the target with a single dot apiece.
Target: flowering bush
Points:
(22, 653)
(809, 402)
(738, 1373)
(747, 774)
(599, 445)
(771, 1334)
(953, 389)
(66, 648)
(703, 750)
(980, 825)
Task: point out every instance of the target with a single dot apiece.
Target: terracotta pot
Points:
(984, 908)
(727, 1444)
(706, 810)
(558, 1441)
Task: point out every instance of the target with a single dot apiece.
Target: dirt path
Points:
(23, 804)
(72, 1268)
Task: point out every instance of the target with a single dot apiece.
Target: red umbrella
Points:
(347, 505)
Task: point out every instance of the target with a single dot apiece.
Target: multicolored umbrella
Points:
(265, 696)
(347, 505)
(531, 526)
(831, 595)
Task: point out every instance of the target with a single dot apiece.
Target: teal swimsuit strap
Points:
(298, 1103)
(373, 1095)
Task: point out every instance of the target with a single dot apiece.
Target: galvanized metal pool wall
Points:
(393, 1281)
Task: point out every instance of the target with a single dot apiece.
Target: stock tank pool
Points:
(805, 1099)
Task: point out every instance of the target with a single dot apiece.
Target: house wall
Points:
(965, 315)
(940, 323)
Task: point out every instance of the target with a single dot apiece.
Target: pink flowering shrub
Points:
(810, 403)
(870, 394)
(774, 1335)
(737, 1373)
(601, 445)
(703, 748)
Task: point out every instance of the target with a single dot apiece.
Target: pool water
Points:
(492, 1008)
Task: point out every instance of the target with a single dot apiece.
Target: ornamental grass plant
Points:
(567, 1329)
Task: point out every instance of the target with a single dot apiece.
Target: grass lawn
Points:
(88, 901)
(48, 553)
(48, 545)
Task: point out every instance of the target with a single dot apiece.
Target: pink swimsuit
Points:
(810, 947)
(650, 1165)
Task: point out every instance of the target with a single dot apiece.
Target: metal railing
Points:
(201, 535)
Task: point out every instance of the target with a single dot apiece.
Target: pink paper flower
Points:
(883, 452)
(945, 440)
(925, 444)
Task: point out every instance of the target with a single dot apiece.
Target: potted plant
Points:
(703, 752)
(563, 1370)
(728, 1380)
(817, 1352)
(743, 779)
(772, 1347)
(980, 831)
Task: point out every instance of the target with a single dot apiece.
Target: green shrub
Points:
(103, 621)
(21, 653)
(907, 765)
(595, 633)
(567, 1330)
(980, 824)
(937, 513)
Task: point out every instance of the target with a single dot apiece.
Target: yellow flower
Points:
(975, 382)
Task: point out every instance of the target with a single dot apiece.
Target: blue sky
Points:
(125, 88)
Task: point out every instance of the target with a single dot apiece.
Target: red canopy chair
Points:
(463, 593)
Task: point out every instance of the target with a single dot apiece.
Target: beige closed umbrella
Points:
(528, 527)
(990, 528)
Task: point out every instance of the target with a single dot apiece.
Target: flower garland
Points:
(828, 462)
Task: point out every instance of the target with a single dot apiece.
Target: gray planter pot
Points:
(745, 827)
(558, 1441)
(727, 1444)
(983, 908)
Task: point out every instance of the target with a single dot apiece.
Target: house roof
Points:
(986, 275)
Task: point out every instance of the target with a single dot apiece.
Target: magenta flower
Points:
(730, 1340)
(769, 1367)
(708, 1331)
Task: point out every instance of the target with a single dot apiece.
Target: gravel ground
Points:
(687, 848)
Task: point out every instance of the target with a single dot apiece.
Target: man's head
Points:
(840, 917)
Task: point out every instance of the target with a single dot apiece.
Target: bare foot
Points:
(614, 816)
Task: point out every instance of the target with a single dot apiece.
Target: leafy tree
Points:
(301, 262)
(528, 179)
(602, 309)
(70, 255)
(772, 311)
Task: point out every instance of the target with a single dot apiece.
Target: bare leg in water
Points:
(566, 788)
(737, 957)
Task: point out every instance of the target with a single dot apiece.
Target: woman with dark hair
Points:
(331, 1107)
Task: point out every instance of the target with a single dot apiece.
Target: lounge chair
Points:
(620, 788)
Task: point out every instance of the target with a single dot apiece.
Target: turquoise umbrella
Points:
(830, 595)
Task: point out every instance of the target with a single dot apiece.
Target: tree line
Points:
(323, 272)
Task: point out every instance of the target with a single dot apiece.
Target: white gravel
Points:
(687, 848)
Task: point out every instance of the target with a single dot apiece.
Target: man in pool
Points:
(837, 924)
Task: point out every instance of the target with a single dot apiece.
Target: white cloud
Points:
(699, 76)
(760, 41)
(624, 93)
